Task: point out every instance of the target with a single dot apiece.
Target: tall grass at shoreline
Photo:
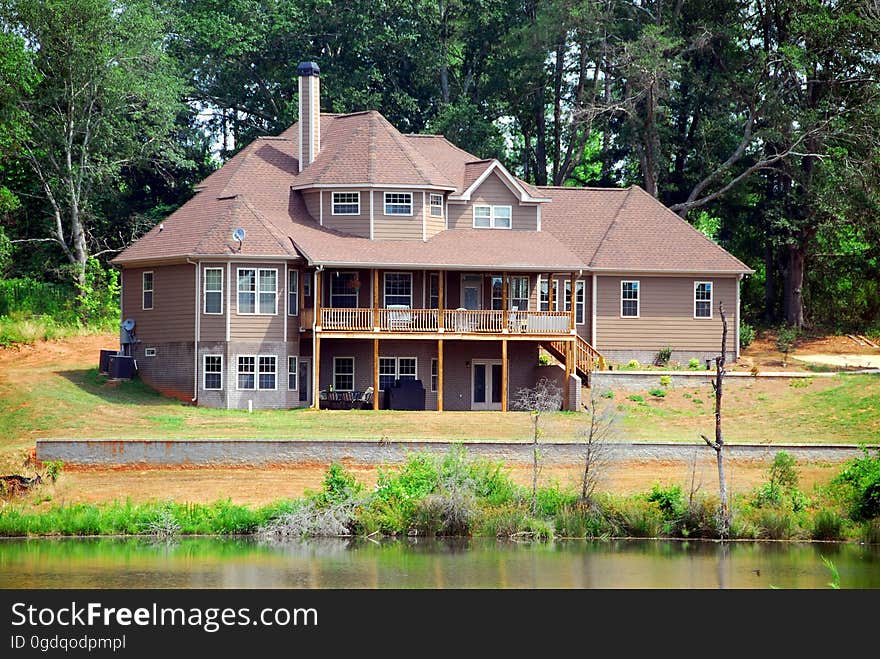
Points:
(456, 495)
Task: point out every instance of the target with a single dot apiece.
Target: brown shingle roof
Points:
(629, 230)
(621, 229)
(364, 148)
(454, 250)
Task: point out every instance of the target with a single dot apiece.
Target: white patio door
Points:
(486, 384)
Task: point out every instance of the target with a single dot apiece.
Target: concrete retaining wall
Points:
(264, 452)
(640, 380)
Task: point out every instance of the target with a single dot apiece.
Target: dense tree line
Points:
(756, 120)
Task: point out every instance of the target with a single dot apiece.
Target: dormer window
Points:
(436, 202)
(398, 203)
(492, 217)
(346, 203)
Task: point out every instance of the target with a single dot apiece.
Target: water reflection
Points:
(428, 563)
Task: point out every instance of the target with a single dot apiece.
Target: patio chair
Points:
(399, 317)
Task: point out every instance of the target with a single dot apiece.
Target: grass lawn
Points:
(53, 390)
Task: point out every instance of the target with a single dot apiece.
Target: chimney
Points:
(309, 113)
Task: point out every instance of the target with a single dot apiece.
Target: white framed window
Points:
(492, 217)
(343, 373)
(436, 205)
(433, 290)
(702, 299)
(247, 368)
(147, 289)
(257, 371)
(396, 368)
(518, 295)
(579, 300)
(346, 203)
(398, 203)
(212, 372)
(292, 292)
(213, 291)
(387, 372)
(343, 290)
(398, 289)
(544, 293)
(149, 352)
(434, 378)
(268, 365)
(292, 379)
(258, 291)
(629, 299)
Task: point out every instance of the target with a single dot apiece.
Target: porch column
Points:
(504, 301)
(568, 371)
(550, 292)
(316, 366)
(318, 279)
(573, 305)
(375, 299)
(375, 374)
(503, 375)
(439, 375)
(440, 311)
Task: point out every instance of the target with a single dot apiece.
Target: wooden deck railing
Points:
(586, 357)
(460, 321)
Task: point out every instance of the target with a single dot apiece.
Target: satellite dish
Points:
(128, 324)
(239, 234)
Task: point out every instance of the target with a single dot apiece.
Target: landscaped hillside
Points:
(52, 389)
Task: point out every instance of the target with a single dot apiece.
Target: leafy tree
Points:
(106, 98)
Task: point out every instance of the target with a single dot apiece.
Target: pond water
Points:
(427, 563)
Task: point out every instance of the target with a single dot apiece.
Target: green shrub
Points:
(827, 525)
(339, 485)
(665, 380)
(668, 499)
(663, 356)
(699, 518)
(783, 471)
(445, 514)
(608, 394)
(635, 398)
(551, 500)
(638, 518)
(658, 393)
(633, 363)
(746, 335)
(860, 482)
(786, 339)
(693, 363)
(544, 359)
(775, 523)
(800, 383)
(53, 469)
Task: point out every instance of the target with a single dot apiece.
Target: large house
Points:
(342, 255)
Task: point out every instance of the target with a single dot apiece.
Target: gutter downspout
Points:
(315, 322)
(196, 335)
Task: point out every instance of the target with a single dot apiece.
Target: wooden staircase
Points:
(586, 357)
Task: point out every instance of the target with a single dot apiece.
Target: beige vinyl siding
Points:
(493, 192)
(212, 327)
(356, 225)
(312, 200)
(434, 225)
(397, 227)
(172, 317)
(247, 327)
(666, 314)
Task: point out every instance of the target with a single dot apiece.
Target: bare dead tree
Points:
(600, 427)
(545, 396)
(718, 444)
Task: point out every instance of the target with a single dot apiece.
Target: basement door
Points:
(486, 384)
(304, 381)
